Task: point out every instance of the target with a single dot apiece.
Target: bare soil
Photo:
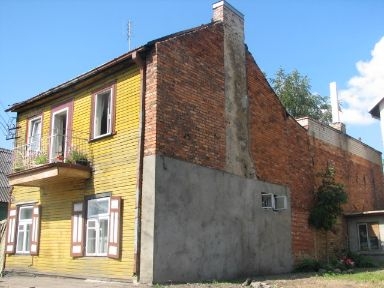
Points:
(298, 280)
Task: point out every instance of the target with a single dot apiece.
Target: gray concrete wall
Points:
(208, 224)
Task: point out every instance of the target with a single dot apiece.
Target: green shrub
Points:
(361, 261)
(307, 265)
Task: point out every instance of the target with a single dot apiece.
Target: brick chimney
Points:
(238, 159)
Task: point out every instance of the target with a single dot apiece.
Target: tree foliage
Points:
(294, 91)
(328, 199)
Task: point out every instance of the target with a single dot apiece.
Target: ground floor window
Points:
(369, 236)
(23, 230)
(96, 227)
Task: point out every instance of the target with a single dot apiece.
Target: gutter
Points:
(137, 58)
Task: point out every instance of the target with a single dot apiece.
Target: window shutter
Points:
(10, 246)
(35, 235)
(77, 246)
(114, 228)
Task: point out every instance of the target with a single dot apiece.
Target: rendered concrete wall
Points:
(208, 224)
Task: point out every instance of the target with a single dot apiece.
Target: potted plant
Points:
(41, 159)
(77, 157)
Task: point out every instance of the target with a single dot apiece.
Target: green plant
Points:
(307, 265)
(361, 261)
(77, 157)
(41, 159)
(328, 200)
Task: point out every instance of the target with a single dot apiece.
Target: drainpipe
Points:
(137, 58)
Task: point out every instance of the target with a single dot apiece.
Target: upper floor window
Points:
(103, 112)
(34, 134)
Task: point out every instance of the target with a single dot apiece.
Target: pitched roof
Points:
(5, 169)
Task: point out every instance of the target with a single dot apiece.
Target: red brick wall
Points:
(185, 119)
(283, 153)
(280, 150)
(190, 98)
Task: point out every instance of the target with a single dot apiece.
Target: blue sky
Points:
(44, 43)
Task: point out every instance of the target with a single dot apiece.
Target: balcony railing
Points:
(71, 148)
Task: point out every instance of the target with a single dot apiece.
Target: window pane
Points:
(25, 213)
(363, 237)
(20, 240)
(102, 115)
(373, 234)
(103, 236)
(91, 241)
(34, 136)
(28, 238)
(98, 206)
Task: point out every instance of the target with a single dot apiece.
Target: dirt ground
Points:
(279, 281)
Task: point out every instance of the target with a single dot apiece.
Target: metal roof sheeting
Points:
(5, 169)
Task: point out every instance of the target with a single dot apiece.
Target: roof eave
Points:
(40, 97)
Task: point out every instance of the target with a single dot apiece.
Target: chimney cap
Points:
(229, 6)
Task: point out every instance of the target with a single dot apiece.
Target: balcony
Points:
(57, 159)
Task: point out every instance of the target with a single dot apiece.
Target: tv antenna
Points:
(129, 34)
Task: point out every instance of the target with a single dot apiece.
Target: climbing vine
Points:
(328, 200)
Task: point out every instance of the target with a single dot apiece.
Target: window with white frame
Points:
(97, 227)
(34, 134)
(272, 201)
(103, 113)
(369, 236)
(24, 229)
(96, 232)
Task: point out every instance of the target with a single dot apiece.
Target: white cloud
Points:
(365, 89)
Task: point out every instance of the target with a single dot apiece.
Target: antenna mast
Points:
(129, 34)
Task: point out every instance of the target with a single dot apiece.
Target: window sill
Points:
(103, 137)
(371, 252)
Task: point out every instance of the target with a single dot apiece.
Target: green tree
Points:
(328, 200)
(294, 91)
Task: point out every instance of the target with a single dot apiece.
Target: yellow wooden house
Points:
(76, 163)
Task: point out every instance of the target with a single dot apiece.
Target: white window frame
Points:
(55, 134)
(268, 201)
(272, 201)
(24, 223)
(277, 201)
(34, 139)
(98, 113)
(96, 219)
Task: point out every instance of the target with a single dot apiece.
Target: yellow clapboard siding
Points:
(115, 164)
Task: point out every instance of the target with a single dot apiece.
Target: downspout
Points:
(141, 64)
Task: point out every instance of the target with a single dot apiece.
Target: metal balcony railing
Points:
(70, 147)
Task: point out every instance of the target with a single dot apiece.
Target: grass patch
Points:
(361, 276)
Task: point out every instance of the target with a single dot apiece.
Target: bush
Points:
(361, 261)
(307, 265)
